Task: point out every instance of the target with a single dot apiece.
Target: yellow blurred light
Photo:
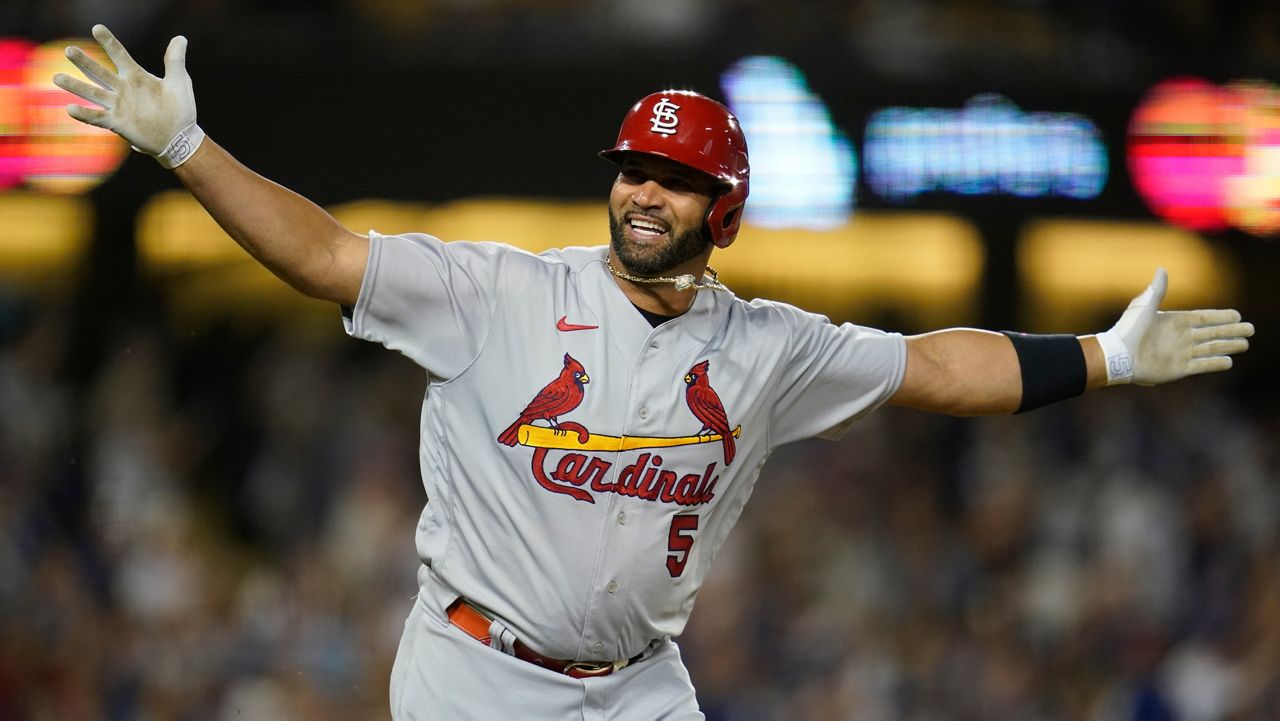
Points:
(245, 292)
(42, 237)
(532, 225)
(385, 216)
(211, 275)
(925, 268)
(174, 231)
(1074, 271)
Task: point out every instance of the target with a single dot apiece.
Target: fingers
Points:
(1215, 332)
(1220, 347)
(1159, 285)
(1208, 365)
(1154, 292)
(114, 49)
(1201, 318)
(91, 68)
(92, 116)
(175, 57)
(92, 93)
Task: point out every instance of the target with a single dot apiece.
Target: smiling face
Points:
(656, 214)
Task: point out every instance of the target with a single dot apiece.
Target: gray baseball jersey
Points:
(581, 466)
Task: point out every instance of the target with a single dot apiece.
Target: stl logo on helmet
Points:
(664, 119)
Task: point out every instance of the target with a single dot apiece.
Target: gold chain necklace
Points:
(681, 282)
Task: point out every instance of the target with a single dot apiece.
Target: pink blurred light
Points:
(41, 145)
(1207, 157)
(13, 141)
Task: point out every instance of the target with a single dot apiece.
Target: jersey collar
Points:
(627, 326)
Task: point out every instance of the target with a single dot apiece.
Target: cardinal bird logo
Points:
(558, 397)
(706, 407)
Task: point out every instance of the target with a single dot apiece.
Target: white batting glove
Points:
(1149, 346)
(157, 116)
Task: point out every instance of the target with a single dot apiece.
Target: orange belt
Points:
(476, 625)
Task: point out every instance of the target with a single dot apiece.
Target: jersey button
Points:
(612, 587)
(598, 648)
(622, 519)
(644, 412)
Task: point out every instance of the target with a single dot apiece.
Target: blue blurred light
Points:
(988, 147)
(802, 167)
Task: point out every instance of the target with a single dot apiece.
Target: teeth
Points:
(647, 226)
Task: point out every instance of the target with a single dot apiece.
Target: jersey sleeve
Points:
(832, 375)
(429, 300)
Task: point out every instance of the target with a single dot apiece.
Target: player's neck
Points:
(661, 298)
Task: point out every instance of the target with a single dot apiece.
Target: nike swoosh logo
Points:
(564, 325)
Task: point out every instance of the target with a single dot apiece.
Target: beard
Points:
(653, 261)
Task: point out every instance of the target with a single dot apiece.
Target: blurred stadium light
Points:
(42, 238)
(13, 136)
(925, 266)
(1074, 272)
(1207, 157)
(39, 143)
(803, 168)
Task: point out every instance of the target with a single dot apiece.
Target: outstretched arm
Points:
(294, 238)
(968, 372)
(972, 372)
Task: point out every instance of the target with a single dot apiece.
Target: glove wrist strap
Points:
(182, 147)
(1119, 361)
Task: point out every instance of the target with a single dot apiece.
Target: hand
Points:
(1149, 346)
(157, 116)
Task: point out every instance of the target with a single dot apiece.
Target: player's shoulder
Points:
(799, 331)
(772, 313)
(557, 261)
(571, 259)
(574, 258)
(427, 242)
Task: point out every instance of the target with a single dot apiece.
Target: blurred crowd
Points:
(215, 523)
(215, 529)
(1113, 558)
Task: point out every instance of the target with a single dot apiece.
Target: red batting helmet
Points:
(696, 131)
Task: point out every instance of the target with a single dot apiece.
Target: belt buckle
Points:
(592, 668)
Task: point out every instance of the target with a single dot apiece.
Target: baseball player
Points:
(596, 416)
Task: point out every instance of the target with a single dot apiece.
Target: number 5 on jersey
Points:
(680, 542)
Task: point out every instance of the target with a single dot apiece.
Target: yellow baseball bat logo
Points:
(566, 440)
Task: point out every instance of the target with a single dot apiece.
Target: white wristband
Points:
(182, 147)
(1119, 361)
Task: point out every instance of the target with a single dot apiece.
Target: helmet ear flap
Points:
(724, 218)
(729, 230)
(731, 219)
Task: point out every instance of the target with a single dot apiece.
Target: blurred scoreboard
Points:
(1201, 156)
